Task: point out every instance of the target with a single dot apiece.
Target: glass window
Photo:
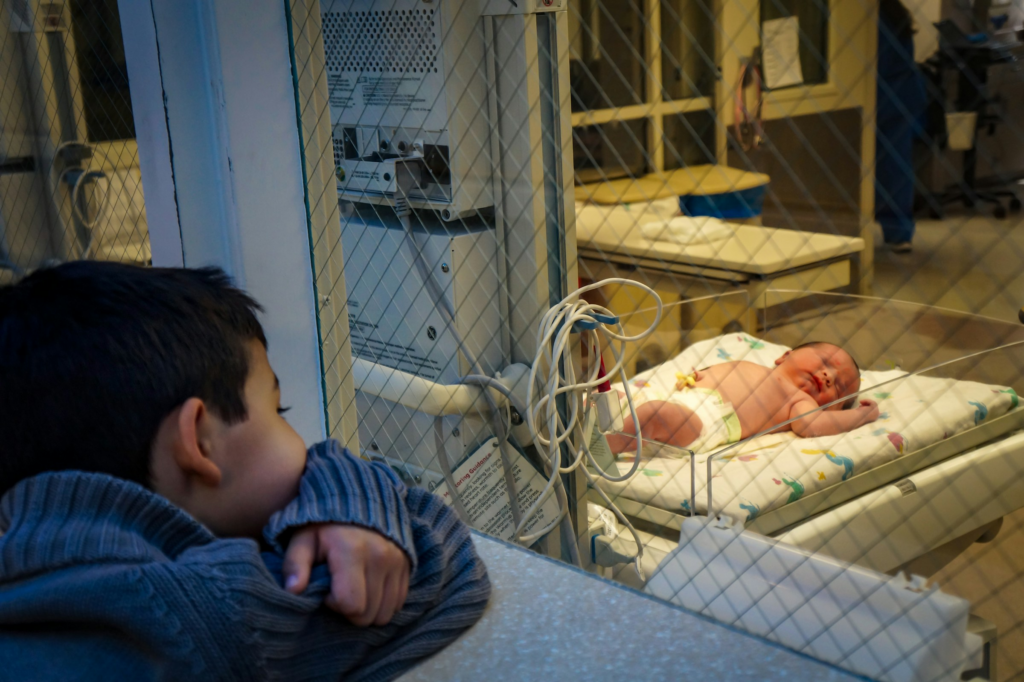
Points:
(606, 48)
(608, 151)
(99, 50)
(687, 49)
(813, 18)
(689, 139)
(612, 80)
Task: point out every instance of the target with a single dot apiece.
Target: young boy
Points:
(144, 458)
(734, 400)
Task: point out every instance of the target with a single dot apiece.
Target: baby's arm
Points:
(830, 423)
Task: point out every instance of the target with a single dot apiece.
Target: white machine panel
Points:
(392, 317)
(407, 83)
(385, 66)
(394, 322)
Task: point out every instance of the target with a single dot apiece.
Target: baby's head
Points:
(824, 371)
(154, 375)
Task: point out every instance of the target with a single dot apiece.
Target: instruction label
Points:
(409, 100)
(395, 91)
(342, 90)
(480, 482)
(367, 344)
(906, 486)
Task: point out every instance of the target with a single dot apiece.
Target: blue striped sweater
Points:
(103, 579)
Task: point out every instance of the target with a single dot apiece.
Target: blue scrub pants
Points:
(894, 163)
(894, 180)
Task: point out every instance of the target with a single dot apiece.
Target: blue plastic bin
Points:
(746, 203)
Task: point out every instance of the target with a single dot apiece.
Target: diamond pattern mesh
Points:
(70, 186)
(810, 188)
(853, 181)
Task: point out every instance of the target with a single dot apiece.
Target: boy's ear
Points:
(192, 443)
(778, 361)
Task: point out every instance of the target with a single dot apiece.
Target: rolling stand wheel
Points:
(999, 211)
(1015, 205)
(936, 213)
(968, 202)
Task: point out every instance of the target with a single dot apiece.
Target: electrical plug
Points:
(609, 411)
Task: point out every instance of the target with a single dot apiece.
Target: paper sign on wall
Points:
(480, 481)
(780, 52)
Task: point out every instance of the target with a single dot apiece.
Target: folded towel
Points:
(687, 230)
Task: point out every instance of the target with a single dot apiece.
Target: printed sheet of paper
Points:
(780, 52)
(480, 481)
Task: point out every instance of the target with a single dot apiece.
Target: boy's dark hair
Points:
(852, 402)
(93, 357)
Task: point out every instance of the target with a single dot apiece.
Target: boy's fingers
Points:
(389, 595)
(374, 600)
(403, 586)
(396, 590)
(298, 560)
(348, 584)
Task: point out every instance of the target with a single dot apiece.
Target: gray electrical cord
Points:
(437, 293)
(446, 470)
(560, 495)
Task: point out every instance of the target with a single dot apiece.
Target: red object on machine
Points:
(607, 385)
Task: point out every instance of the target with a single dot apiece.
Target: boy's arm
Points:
(339, 488)
(448, 586)
(351, 515)
(448, 592)
(830, 423)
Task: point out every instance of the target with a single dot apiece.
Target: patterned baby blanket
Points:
(771, 471)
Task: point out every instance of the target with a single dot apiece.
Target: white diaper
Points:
(720, 423)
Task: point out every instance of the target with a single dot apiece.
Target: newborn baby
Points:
(729, 402)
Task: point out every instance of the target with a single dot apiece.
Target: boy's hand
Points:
(369, 573)
(869, 410)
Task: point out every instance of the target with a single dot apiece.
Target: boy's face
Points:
(263, 457)
(231, 477)
(824, 372)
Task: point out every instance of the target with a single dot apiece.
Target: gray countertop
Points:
(547, 620)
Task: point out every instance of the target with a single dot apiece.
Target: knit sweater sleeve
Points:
(103, 555)
(338, 487)
(270, 634)
(448, 592)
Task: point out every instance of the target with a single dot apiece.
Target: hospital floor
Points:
(974, 264)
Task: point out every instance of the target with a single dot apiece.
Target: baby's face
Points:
(264, 456)
(824, 372)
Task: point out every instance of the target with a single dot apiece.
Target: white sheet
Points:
(769, 472)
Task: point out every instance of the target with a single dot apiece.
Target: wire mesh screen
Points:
(70, 186)
(804, 351)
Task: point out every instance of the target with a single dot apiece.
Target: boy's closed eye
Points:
(277, 393)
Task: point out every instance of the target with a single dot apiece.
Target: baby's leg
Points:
(660, 421)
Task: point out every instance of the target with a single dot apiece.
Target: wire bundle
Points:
(84, 176)
(559, 383)
(554, 351)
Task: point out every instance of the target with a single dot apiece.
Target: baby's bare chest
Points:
(755, 392)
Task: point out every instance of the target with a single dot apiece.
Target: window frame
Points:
(655, 108)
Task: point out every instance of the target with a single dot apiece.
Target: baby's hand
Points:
(869, 411)
(369, 573)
